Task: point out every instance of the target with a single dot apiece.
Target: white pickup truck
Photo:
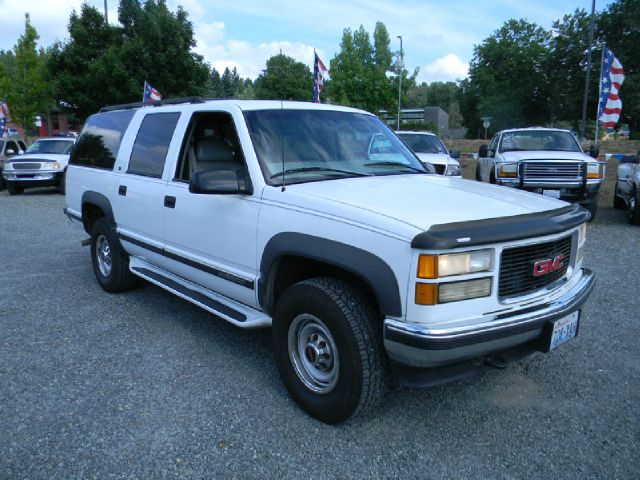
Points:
(367, 267)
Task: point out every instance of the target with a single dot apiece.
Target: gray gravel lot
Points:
(145, 385)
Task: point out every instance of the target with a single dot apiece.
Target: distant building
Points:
(54, 123)
(428, 115)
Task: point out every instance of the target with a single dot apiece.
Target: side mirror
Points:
(484, 151)
(594, 151)
(220, 182)
(9, 152)
(454, 154)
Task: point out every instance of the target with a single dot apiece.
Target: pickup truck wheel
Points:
(110, 261)
(633, 209)
(62, 186)
(618, 203)
(492, 176)
(14, 189)
(328, 350)
(478, 176)
(592, 206)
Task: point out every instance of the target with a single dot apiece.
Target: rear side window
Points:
(100, 140)
(152, 143)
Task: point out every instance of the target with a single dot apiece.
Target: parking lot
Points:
(144, 384)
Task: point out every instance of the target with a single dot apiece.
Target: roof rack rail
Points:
(168, 101)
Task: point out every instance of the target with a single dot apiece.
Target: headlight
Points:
(455, 291)
(53, 166)
(595, 170)
(436, 266)
(453, 170)
(509, 170)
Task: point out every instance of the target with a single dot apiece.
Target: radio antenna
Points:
(282, 110)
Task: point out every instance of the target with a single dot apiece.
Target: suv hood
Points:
(39, 157)
(437, 158)
(544, 155)
(409, 204)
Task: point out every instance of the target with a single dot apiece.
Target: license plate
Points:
(564, 329)
(551, 193)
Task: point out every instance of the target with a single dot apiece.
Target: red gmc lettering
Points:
(543, 267)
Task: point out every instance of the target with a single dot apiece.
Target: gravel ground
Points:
(145, 385)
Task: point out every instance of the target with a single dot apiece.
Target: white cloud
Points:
(444, 69)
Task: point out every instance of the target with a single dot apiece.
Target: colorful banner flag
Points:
(611, 80)
(319, 71)
(4, 117)
(150, 94)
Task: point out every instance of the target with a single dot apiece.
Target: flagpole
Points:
(604, 45)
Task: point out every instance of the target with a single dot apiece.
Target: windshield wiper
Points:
(318, 169)
(395, 164)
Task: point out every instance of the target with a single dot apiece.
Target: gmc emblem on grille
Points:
(543, 267)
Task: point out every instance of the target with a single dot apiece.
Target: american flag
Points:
(150, 94)
(4, 117)
(319, 71)
(612, 77)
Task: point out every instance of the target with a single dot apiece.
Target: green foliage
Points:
(362, 74)
(22, 78)
(102, 64)
(419, 127)
(435, 94)
(284, 79)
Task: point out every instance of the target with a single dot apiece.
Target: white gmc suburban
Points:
(367, 266)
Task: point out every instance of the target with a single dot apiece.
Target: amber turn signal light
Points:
(428, 266)
(426, 293)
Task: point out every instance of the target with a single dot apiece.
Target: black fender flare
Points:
(373, 270)
(99, 200)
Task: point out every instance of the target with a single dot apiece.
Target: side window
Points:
(494, 145)
(211, 143)
(13, 146)
(23, 147)
(100, 140)
(152, 143)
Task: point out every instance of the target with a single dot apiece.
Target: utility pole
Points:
(586, 81)
(400, 68)
(106, 15)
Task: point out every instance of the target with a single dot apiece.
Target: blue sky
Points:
(438, 36)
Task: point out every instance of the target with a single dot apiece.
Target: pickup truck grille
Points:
(517, 267)
(533, 171)
(439, 168)
(25, 166)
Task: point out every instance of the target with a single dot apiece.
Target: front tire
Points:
(14, 189)
(633, 208)
(327, 341)
(62, 186)
(478, 176)
(592, 206)
(110, 261)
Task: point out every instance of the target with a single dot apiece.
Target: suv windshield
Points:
(421, 143)
(539, 140)
(322, 145)
(51, 146)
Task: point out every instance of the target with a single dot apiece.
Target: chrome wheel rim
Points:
(103, 254)
(313, 353)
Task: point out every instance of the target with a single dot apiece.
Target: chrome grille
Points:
(516, 267)
(26, 166)
(553, 170)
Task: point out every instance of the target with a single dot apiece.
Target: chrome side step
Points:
(234, 312)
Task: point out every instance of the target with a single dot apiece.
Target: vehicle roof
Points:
(416, 133)
(57, 139)
(549, 129)
(246, 105)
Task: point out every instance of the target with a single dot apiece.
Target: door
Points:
(140, 190)
(210, 239)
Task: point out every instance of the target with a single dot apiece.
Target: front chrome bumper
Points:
(419, 346)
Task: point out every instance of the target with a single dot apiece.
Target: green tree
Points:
(215, 89)
(102, 64)
(23, 78)
(284, 79)
(508, 78)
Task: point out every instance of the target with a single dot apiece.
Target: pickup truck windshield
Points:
(325, 145)
(62, 147)
(532, 140)
(421, 143)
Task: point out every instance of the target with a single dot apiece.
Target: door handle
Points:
(169, 202)
(122, 190)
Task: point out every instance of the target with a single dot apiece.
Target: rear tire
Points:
(14, 189)
(110, 261)
(633, 208)
(327, 342)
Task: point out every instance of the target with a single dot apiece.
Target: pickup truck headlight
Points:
(595, 170)
(508, 170)
(433, 293)
(51, 165)
(453, 170)
(436, 266)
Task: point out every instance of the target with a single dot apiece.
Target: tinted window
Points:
(420, 143)
(151, 145)
(100, 140)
